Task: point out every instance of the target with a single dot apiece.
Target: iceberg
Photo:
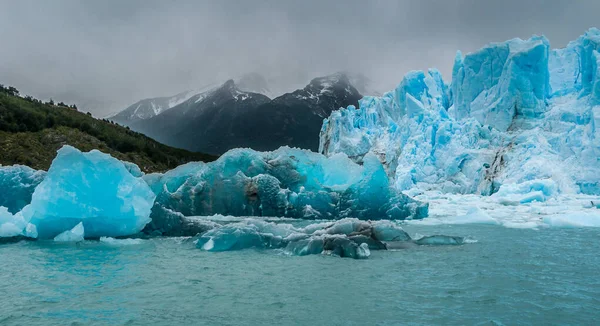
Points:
(440, 240)
(91, 188)
(349, 237)
(286, 182)
(518, 119)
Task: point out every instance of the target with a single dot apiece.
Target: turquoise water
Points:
(509, 276)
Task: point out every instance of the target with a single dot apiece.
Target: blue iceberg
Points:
(92, 188)
(286, 182)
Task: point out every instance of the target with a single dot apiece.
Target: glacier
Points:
(519, 120)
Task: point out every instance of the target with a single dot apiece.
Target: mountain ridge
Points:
(227, 117)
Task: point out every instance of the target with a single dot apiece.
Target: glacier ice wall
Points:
(286, 182)
(515, 112)
(91, 188)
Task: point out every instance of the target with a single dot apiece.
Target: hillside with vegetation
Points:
(31, 131)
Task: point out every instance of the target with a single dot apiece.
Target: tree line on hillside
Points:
(10, 90)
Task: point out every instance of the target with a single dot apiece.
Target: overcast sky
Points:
(105, 55)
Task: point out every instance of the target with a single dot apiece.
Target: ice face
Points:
(500, 81)
(286, 182)
(17, 184)
(517, 116)
(90, 188)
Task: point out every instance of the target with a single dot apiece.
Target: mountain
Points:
(204, 120)
(227, 117)
(295, 119)
(31, 132)
(148, 108)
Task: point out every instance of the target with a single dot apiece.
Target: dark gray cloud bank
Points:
(105, 55)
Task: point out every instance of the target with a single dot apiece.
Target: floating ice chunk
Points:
(345, 238)
(74, 235)
(526, 192)
(10, 226)
(521, 225)
(92, 188)
(121, 242)
(238, 236)
(15, 225)
(475, 215)
(440, 240)
(389, 231)
(574, 220)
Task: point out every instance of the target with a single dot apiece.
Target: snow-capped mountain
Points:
(148, 108)
(200, 121)
(227, 117)
(294, 119)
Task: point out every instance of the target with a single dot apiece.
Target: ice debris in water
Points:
(518, 119)
(74, 235)
(440, 240)
(286, 182)
(121, 242)
(348, 237)
(90, 188)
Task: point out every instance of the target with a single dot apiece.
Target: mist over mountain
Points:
(106, 55)
(239, 114)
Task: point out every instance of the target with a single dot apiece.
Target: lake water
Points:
(508, 276)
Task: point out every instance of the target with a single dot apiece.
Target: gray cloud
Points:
(104, 55)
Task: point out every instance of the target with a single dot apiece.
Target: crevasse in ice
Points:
(519, 119)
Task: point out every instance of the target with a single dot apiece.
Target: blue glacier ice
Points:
(91, 188)
(18, 183)
(286, 182)
(519, 120)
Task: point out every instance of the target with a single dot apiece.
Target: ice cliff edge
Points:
(515, 113)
